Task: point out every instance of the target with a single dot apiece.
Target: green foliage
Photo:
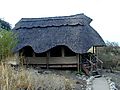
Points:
(110, 54)
(112, 47)
(4, 25)
(8, 41)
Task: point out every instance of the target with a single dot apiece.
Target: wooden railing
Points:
(98, 59)
(89, 61)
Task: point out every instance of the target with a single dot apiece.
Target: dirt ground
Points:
(115, 77)
(100, 84)
(80, 83)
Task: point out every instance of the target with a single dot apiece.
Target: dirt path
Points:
(100, 84)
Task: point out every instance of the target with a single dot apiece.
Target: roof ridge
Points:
(80, 19)
(76, 16)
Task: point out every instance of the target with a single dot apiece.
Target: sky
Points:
(105, 13)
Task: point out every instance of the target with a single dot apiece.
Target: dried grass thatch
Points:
(43, 34)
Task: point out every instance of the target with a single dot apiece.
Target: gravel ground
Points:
(80, 80)
(81, 83)
(115, 77)
(100, 84)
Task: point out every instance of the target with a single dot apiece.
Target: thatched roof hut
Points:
(42, 34)
(56, 40)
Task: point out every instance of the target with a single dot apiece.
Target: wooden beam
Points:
(63, 53)
(93, 49)
(96, 51)
(47, 59)
(91, 67)
(78, 63)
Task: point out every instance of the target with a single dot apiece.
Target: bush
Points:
(8, 41)
(109, 55)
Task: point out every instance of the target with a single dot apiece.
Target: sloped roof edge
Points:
(53, 21)
(43, 34)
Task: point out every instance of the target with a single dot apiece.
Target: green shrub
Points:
(8, 41)
(110, 55)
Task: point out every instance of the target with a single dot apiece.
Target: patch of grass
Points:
(117, 68)
(22, 78)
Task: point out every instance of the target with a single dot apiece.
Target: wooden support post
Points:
(78, 63)
(96, 51)
(93, 49)
(91, 66)
(63, 53)
(47, 59)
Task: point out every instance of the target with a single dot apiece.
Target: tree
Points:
(110, 54)
(8, 41)
(4, 25)
(113, 48)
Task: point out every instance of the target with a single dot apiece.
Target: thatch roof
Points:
(43, 34)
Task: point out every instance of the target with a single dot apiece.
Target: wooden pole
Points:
(63, 53)
(96, 50)
(78, 63)
(91, 66)
(93, 49)
(47, 59)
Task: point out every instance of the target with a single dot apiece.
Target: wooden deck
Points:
(54, 62)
